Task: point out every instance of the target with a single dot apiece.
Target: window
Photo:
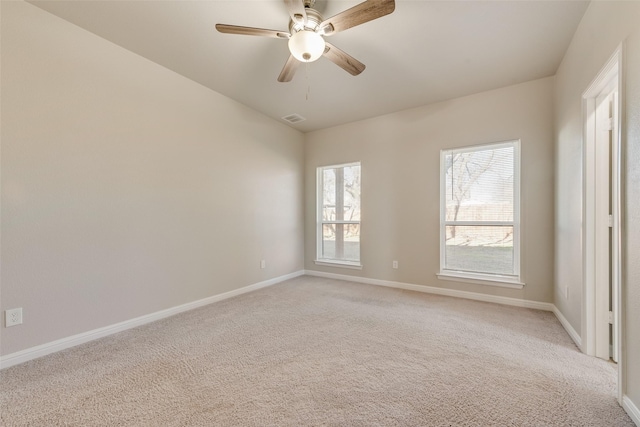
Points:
(339, 215)
(479, 217)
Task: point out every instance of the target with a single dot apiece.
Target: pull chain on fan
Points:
(306, 69)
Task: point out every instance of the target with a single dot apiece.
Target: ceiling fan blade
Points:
(289, 69)
(343, 60)
(296, 11)
(251, 31)
(359, 14)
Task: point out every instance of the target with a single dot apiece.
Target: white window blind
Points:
(479, 210)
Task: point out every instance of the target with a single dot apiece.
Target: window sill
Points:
(503, 282)
(340, 264)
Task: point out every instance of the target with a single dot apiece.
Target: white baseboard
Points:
(64, 343)
(631, 409)
(567, 327)
(459, 294)
(438, 291)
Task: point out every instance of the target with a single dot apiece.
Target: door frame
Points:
(610, 74)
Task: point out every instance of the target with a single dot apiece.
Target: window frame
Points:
(485, 278)
(320, 222)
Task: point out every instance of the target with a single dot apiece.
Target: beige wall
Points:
(128, 189)
(400, 156)
(604, 26)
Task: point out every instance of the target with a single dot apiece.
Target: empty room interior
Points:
(322, 212)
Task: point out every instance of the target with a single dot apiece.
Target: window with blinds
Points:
(479, 228)
(339, 214)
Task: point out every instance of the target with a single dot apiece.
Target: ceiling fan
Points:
(307, 29)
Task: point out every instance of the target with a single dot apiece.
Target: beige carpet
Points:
(312, 351)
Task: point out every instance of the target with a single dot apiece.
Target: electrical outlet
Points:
(395, 264)
(13, 317)
(263, 264)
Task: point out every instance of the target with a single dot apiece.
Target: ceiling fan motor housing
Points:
(313, 21)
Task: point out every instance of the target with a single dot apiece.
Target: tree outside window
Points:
(479, 209)
(339, 217)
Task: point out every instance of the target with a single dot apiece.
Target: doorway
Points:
(601, 332)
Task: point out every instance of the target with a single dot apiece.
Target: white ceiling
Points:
(424, 52)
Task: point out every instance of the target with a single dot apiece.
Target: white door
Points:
(602, 309)
(606, 285)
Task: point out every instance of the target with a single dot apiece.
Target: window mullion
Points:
(325, 222)
(339, 195)
(481, 223)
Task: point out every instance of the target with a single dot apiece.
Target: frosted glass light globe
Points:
(306, 46)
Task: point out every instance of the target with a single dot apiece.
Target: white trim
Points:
(74, 340)
(481, 279)
(481, 147)
(480, 223)
(320, 223)
(601, 82)
(537, 305)
(341, 165)
(632, 409)
(612, 70)
(619, 315)
(567, 327)
(340, 222)
(516, 223)
(339, 264)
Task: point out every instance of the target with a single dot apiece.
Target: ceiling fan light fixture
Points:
(306, 46)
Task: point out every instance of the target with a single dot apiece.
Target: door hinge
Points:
(611, 317)
(610, 220)
(610, 123)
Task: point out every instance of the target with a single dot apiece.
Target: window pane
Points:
(341, 242)
(480, 249)
(351, 193)
(329, 195)
(479, 185)
(341, 194)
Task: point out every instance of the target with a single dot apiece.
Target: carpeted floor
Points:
(314, 351)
